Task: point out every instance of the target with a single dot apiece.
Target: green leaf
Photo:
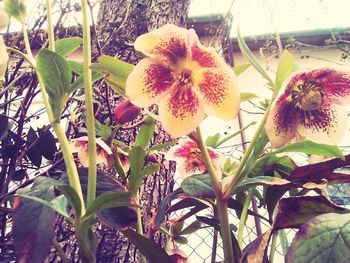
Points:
(260, 180)
(79, 82)
(108, 200)
(150, 249)
(146, 132)
(245, 96)
(4, 124)
(323, 239)
(213, 140)
(76, 67)
(33, 224)
(310, 147)
(198, 185)
(250, 56)
(191, 228)
(284, 69)
(56, 75)
(137, 179)
(66, 46)
(162, 146)
(239, 69)
(16, 9)
(137, 157)
(114, 71)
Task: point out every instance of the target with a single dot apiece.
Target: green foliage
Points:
(245, 96)
(114, 71)
(323, 239)
(198, 185)
(284, 69)
(66, 46)
(239, 69)
(16, 9)
(146, 132)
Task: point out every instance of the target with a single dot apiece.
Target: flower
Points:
(185, 79)
(4, 57)
(308, 106)
(189, 158)
(80, 146)
(125, 112)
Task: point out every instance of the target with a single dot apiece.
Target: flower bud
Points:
(126, 112)
(4, 19)
(152, 158)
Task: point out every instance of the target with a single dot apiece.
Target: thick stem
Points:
(90, 118)
(225, 231)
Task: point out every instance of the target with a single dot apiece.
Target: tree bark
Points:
(119, 23)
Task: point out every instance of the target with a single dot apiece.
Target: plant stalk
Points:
(243, 218)
(50, 26)
(139, 225)
(90, 117)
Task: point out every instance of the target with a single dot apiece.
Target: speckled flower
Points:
(80, 146)
(309, 106)
(185, 79)
(189, 158)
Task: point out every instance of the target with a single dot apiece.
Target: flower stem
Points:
(90, 118)
(273, 247)
(243, 218)
(139, 225)
(72, 172)
(221, 205)
(50, 26)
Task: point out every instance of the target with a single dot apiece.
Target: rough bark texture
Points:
(119, 23)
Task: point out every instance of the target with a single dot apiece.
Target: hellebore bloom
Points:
(189, 158)
(125, 112)
(80, 146)
(308, 106)
(185, 79)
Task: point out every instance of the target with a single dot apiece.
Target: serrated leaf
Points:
(323, 239)
(146, 132)
(284, 69)
(245, 96)
(66, 46)
(239, 69)
(213, 140)
(114, 71)
(56, 75)
(198, 185)
(310, 147)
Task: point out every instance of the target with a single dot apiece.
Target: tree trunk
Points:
(119, 23)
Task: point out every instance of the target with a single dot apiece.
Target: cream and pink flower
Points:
(189, 158)
(309, 106)
(186, 79)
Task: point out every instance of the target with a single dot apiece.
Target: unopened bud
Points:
(126, 112)
(152, 158)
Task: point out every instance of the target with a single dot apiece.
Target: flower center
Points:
(184, 77)
(307, 96)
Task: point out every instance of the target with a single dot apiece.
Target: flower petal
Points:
(148, 82)
(218, 88)
(168, 43)
(181, 113)
(281, 123)
(327, 126)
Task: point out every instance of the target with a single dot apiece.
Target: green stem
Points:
(72, 172)
(243, 218)
(139, 225)
(214, 247)
(50, 26)
(221, 205)
(90, 118)
(238, 176)
(273, 247)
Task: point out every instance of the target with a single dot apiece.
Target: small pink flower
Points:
(185, 79)
(189, 158)
(308, 106)
(80, 146)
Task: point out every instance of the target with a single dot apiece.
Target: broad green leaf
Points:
(66, 46)
(4, 124)
(150, 249)
(146, 132)
(33, 224)
(198, 185)
(56, 75)
(79, 82)
(16, 9)
(310, 147)
(284, 69)
(293, 212)
(323, 239)
(76, 67)
(213, 140)
(239, 69)
(245, 96)
(250, 56)
(260, 180)
(137, 157)
(114, 71)
(108, 200)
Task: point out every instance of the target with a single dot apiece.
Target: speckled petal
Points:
(218, 87)
(148, 82)
(168, 44)
(181, 112)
